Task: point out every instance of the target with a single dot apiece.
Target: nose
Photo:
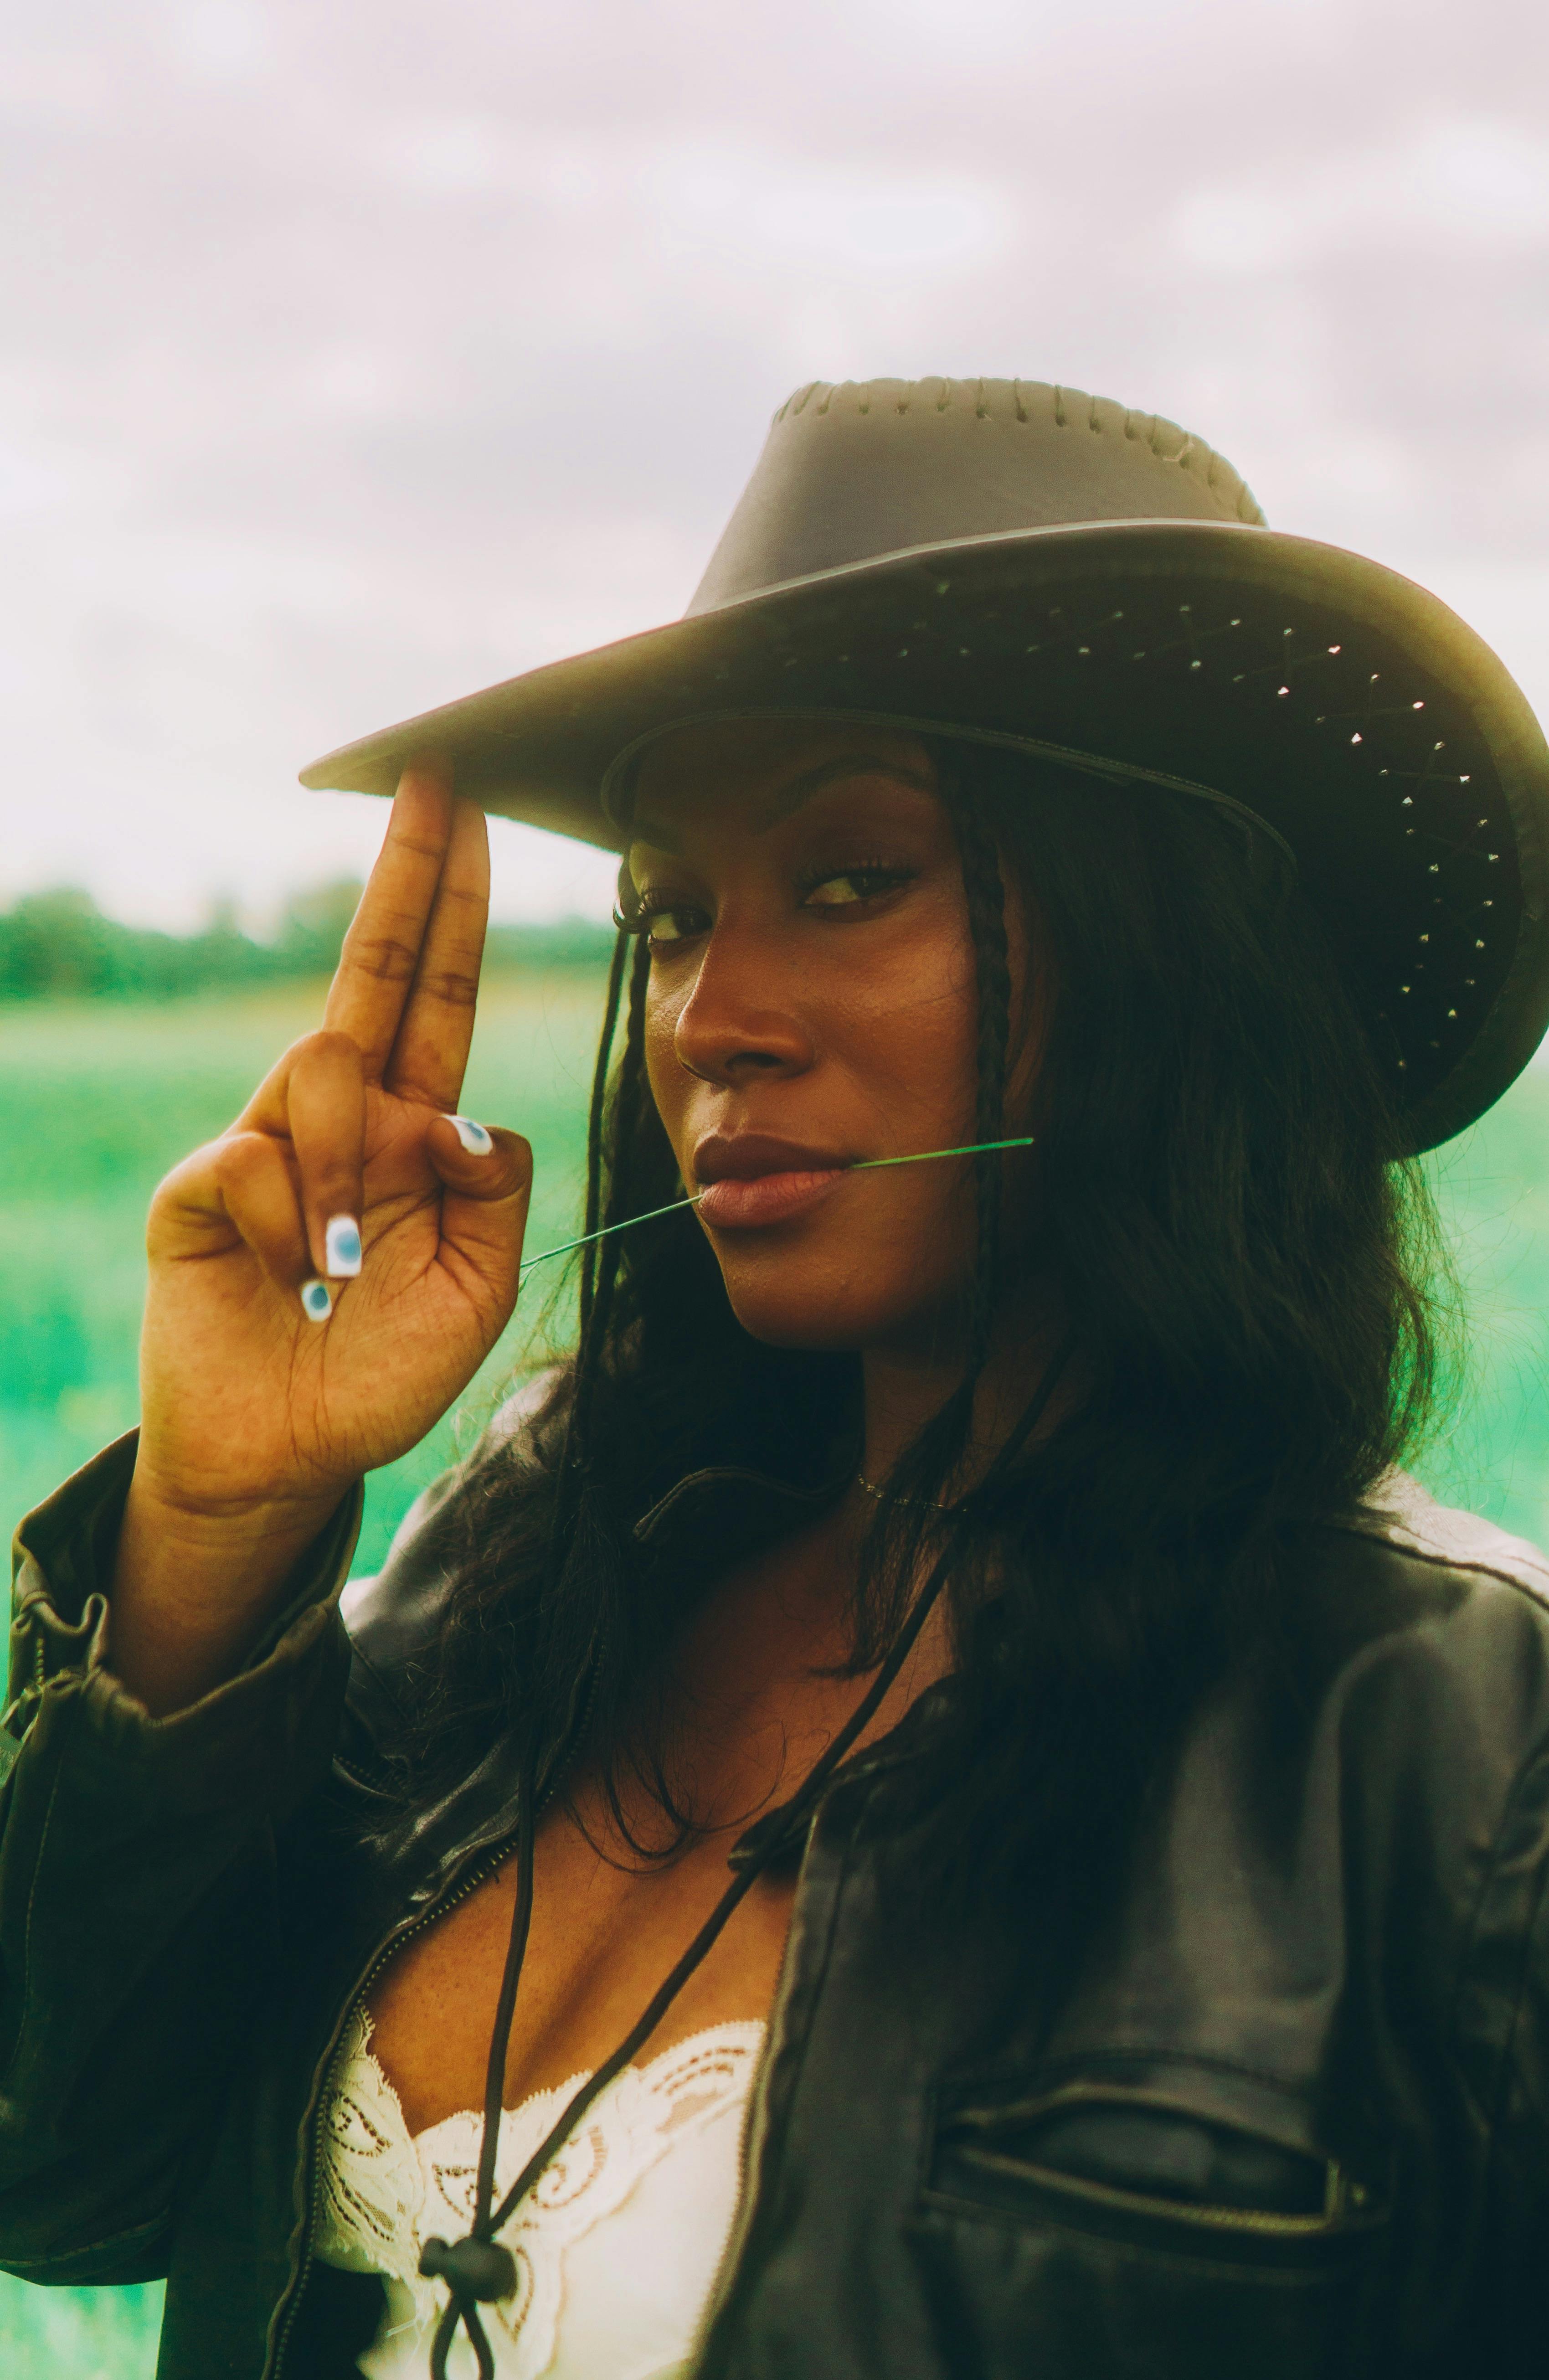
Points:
(737, 1023)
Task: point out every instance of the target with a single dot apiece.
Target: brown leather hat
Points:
(1028, 566)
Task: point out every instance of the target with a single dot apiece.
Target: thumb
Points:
(486, 1180)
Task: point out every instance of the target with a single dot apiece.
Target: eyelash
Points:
(878, 875)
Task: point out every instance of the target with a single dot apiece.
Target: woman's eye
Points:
(663, 922)
(849, 885)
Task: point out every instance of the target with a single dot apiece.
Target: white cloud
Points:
(359, 356)
(218, 40)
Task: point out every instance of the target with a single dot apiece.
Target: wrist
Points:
(197, 1580)
(207, 1522)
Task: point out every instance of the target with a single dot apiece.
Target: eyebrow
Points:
(791, 797)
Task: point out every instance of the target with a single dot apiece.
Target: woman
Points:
(947, 1677)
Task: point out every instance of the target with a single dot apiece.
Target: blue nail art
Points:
(316, 1301)
(342, 1242)
(474, 1137)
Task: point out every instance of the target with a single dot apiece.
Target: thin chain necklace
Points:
(879, 1496)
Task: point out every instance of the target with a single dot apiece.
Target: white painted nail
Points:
(474, 1137)
(317, 1300)
(342, 1243)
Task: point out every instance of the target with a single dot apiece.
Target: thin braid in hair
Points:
(594, 1115)
(622, 1121)
(630, 1099)
(608, 1122)
(926, 1468)
(985, 893)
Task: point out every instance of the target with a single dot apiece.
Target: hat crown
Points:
(855, 470)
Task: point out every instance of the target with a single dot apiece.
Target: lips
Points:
(748, 1179)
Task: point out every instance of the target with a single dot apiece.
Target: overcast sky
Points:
(356, 353)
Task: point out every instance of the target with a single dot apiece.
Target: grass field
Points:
(99, 1099)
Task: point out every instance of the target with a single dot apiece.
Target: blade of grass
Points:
(863, 1165)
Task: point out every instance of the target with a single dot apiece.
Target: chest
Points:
(603, 1935)
(619, 1887)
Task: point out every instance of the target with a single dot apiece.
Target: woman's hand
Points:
(272, 1375)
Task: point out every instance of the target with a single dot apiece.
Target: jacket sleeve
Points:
(137, 1884)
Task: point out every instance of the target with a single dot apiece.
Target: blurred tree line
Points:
(60, 944)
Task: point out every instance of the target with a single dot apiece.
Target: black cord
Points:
(479, 2267)
(505, 2008)
(796, 1810)
(1033, 1414)
(478, 2270)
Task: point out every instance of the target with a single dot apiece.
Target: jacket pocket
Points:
(1147, 2163)
(1176, 2222)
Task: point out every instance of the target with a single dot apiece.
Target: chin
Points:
(821, 1316)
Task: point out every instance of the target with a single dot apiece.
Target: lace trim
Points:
(384, 2191)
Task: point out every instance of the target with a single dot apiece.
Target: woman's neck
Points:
(905, 1385)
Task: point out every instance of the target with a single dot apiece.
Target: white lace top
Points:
(617, 2247)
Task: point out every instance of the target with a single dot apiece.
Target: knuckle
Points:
(185, 1175)
(239, 1156)
(331, 1193)
(424, 846)
(451, 987)
(330, 1044)
(325, 1047)
(385, 957)
(510, 1177)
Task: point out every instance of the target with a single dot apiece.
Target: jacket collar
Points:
(714, 1517)
(732, 1509)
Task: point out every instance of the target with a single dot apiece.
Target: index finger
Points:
(378, 963)
(431, 1049)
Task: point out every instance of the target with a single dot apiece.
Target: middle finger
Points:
(370, 989)
(431, 1049)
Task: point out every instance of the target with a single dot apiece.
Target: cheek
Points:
(909, 1026)
(885, 1015)
(671, 1084)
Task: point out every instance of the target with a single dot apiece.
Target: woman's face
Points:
(812, 1004)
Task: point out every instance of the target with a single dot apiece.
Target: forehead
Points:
(763, 769)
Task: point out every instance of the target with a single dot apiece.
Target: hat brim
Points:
(1356, 714)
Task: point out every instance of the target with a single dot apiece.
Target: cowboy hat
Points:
(1027, 565)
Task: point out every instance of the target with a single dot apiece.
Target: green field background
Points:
(97, 1100)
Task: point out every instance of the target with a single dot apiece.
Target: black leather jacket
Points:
(1295, 2122)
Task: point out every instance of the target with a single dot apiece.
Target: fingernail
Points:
(316, 1301)
(474, 1137)
(342, 1244)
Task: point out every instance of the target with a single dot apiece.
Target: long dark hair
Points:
(1240, 1258)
